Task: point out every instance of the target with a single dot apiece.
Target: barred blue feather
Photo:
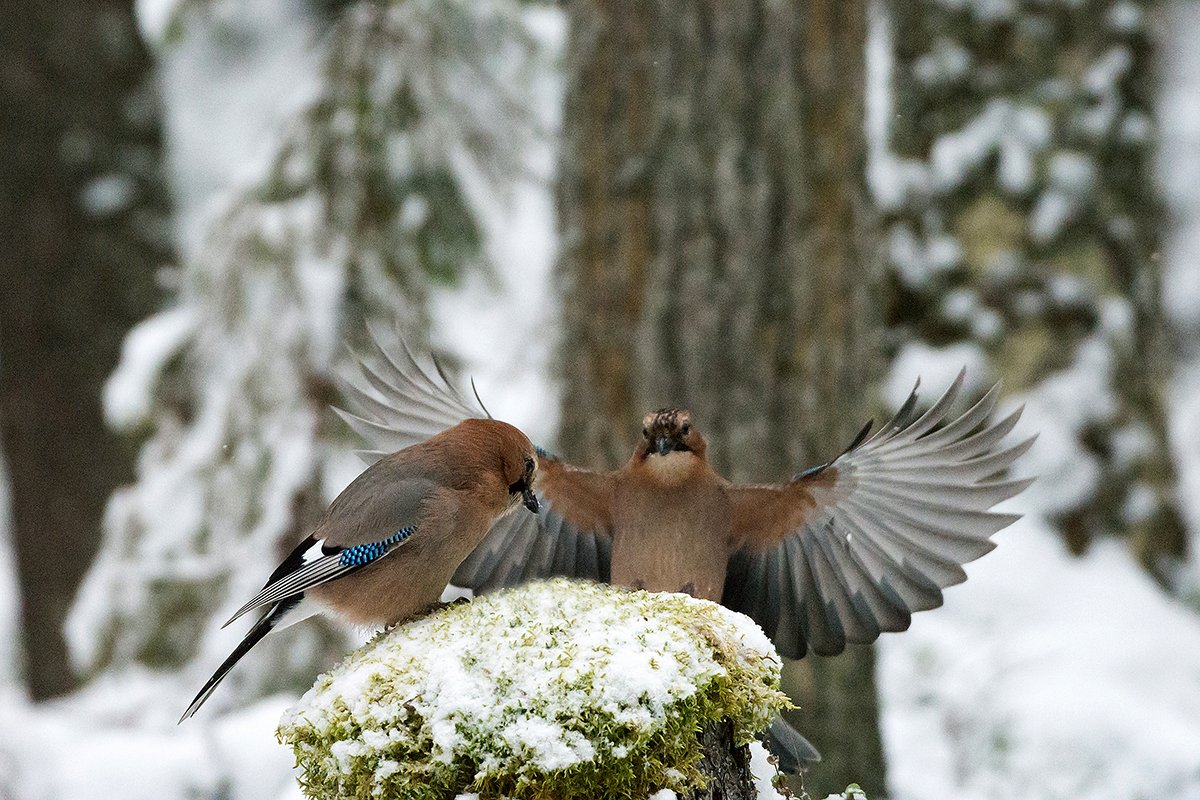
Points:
(363, 554)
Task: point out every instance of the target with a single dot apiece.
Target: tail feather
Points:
(265, 625)
(793, 751)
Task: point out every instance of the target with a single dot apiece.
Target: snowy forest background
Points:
(779, 217)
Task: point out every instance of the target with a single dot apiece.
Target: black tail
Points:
(793, 751)
(252, 637)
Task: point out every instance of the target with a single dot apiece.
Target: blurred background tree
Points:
(1023, 221)
(719, 253)
(85, 229)
(360, 209)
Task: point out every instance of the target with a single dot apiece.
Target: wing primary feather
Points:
(817, 470)
(367, 405)
(882, 606)
(858, 622)
(862, 435)
(603, 558)
(900, 418)
(933, 465)
(787, 632)
(374, 432)
(446, 394)
(566, 553)
(834, 639)
(971, 497)
(914, 556)
(969, 420)
(912, 591)
(967, 447)
(587, 561)
(771, 590)
(416, 400)
(821, 636)
(936, 412)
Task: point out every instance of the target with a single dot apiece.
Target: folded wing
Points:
(852, 548)
(375, 515)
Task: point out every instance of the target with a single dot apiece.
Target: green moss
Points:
(560, 689)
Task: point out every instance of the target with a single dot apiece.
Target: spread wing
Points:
(852, 548)
(399, 403)
(571, 535)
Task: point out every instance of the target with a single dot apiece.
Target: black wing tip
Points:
(861, 437)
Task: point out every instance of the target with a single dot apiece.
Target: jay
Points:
(839, 553)
(391, 541)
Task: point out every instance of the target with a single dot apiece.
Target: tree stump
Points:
(556, 689)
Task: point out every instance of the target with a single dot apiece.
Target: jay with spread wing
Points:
(839, 553)
(391, 541)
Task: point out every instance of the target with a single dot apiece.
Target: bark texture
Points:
(719, 254)
(727, 764)
(83, 232)
(1042, 233)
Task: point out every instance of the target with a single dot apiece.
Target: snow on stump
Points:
(556, 689)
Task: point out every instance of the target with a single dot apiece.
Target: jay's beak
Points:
(530, 500)
(662, 445)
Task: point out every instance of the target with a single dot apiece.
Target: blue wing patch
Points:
(362, 554)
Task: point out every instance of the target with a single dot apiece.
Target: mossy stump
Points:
(553, 690)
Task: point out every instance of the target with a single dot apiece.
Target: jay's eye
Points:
(686, 428)
(646, 432)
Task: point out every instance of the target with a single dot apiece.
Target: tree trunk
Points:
(1041, 235)
(727, 765)
(83, 233)
(719, 254)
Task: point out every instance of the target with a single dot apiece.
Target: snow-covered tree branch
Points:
(365, 202)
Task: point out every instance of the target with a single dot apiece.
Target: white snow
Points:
(230, 86)
(763, 772)
(1045, 676)
(108, 194)
(74, 748)
(1179, 177)
(544, 677)
(1062, 406)
(128, 394)
(154, 17)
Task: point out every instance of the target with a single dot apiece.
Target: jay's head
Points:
(520, 477)
(670, 430)
(493, 443)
